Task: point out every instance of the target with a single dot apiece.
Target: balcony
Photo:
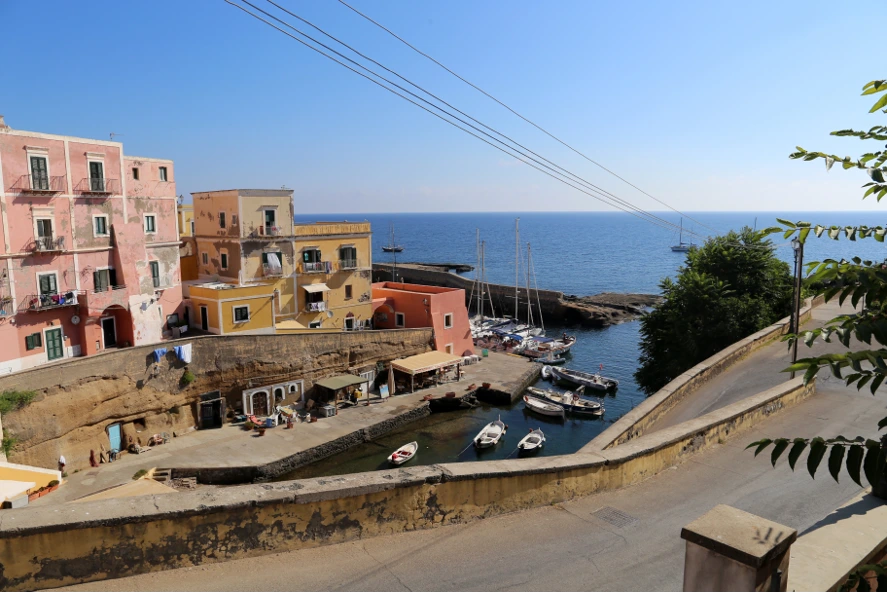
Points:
(100, 299)
(270, 271)
(318, 267)
(98, 186)
(40, 184)
(48, 244)
(44, 302)
(270, 231)
(318, 307)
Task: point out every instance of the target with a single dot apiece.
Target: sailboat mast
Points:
(529, 301)
(681, 233)
(516, 264)
(477, 285)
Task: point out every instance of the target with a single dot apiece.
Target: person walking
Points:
(62, 463)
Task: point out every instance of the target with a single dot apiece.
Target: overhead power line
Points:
(529, 121)
(510, 149)
(574, 177)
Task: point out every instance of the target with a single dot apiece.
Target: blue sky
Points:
(698, 103)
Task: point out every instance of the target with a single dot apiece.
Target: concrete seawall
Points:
(55, 546)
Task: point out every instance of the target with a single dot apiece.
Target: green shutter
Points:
(29, 343)
(264, 258)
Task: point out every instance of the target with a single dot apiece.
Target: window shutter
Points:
(97, 280)
(29, 342)
(264, 258)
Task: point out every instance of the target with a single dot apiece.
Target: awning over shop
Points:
(319, 287)
(423, 363)
(340, 382)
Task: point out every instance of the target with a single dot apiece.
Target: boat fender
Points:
(506, 427)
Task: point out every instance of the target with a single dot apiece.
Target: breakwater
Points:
(589, 311)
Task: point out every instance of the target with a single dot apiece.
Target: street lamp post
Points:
(798, 248)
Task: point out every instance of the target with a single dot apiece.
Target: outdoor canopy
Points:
(319, 287)
(340, 382)
(423, 363)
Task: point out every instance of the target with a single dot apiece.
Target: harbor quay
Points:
(232, 455)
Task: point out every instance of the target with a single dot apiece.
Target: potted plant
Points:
(52, 486)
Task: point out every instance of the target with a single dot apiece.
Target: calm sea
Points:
(580, 253)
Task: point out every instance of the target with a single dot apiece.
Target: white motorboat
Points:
(543, 407)
(571, 402)
(404, 453)
(593, 381)
(532, 442)
(490, 435)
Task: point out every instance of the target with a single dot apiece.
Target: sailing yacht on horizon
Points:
(681, 246)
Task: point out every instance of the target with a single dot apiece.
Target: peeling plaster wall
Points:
(78, 398)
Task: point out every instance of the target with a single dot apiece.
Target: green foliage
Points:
(188, 377)
(248, 425)
(139, 474)
(13, 399)
(727, 289)
(858, 281)
(8, 443)
(858, 580)
(53, 483)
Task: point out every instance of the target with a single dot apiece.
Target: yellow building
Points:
(185, 219)
(314, 276)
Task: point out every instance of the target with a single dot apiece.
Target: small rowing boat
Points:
(490, 435)
(543, 407)
(404, 454)
(532, 442)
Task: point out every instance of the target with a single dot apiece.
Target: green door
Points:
(55, 349)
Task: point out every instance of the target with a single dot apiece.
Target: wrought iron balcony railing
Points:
(49, 243)
(40, 184)
(315, 267)
(317, 307)
(98, 185)
(42, 302)
(269, 270)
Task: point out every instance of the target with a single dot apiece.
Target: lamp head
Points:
(796, 244)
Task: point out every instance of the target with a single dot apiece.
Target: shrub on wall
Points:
(8, 443)
(13, 399)
(188, 377)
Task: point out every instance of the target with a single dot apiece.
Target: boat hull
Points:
(588, 380)
(551, 410)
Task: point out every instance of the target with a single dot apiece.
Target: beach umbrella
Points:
(390, 380)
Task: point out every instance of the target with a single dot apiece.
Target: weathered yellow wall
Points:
(254, 207)
(212, 309)
(261, 316)
(117, 538)
(185, 213)
(360, 279)
(23, 473)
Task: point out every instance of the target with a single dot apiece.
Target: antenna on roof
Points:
(112, 134)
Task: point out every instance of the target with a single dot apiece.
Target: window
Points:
(314, 324)
(311, 256)
(104, 279)
(39, 173)
(347, 291)
(448, 321)
(172, 320)
(270, 221)
(100, 224)
(96, 176)
(150, 223)
(448, 348)
(155, 273)
(135, 173)
(33, 341)
(223, 256)
(349, 323)
(221, 220)
(48, 283)
(241, 313)
(205, 256)
(348, 257)
(163, 176)
(400, 320)
(192, 228)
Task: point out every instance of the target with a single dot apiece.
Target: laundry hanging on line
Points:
(184, 352)
(159, 353)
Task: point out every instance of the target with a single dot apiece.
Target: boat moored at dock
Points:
(593, 381)
(404, 453)
(571, 402)
(532, 442)
(543, 407)
(490, 435)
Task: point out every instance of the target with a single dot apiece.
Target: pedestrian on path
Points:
(62, 463)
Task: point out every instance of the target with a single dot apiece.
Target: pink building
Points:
(415, 305)
(89, 248)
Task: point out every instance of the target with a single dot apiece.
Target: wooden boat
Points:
(549, 360)
(490, 435)
(570, 401)
(592, 381)
(543, 407)
(532, 442)
(404, 453)
(541, 347)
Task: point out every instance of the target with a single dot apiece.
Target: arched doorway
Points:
(259, 401)
(115, 327)
(279, 395)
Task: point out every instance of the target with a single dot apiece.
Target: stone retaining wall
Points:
(637, 421)
(79, 397)
(56, 546)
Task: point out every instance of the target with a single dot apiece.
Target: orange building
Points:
(397, 305)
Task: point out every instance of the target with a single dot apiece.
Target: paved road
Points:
(756, 373)
(566, 546)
